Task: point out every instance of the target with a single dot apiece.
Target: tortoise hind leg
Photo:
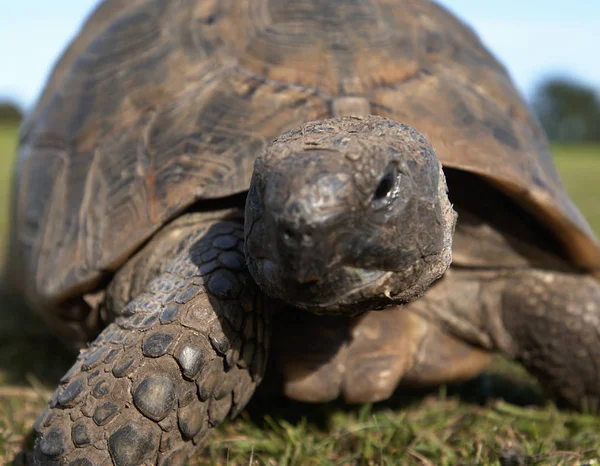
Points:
(365, 359)
(549, 320)
(183, 355)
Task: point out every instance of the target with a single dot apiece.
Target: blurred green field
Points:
(8, 141)
(579, 167)
(498, 419)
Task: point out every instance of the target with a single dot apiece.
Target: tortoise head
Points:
(348, 215)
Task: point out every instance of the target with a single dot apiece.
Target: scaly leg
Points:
(546, 319)
(185, 353)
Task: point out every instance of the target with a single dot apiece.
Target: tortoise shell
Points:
(157, 105)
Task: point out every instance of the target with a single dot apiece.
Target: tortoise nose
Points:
(301, 255)
(295, 230)
(295, 236)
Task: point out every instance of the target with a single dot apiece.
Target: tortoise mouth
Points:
(345, 285)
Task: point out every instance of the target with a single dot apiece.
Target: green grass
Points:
(499, 418)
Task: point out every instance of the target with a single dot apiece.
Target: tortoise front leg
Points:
(546, 319)
(365, 359)
(184, 354)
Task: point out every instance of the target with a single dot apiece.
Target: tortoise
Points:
(351, 190)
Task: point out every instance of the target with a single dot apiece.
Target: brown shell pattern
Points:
(158, 104)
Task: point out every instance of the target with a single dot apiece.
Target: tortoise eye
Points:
(387, 188)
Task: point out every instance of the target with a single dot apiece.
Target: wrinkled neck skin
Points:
(348, 215)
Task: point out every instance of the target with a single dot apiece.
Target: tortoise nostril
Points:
(296, 237)
(289, 235)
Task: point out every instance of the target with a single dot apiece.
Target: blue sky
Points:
(534, 38)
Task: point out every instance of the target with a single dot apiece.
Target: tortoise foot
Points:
(365, 359)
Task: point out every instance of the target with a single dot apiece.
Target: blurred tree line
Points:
(568, 111)
(10, 113)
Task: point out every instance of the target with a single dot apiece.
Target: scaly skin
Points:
(548, 320)
(348, 215)
(182, 356)
(364, 359)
